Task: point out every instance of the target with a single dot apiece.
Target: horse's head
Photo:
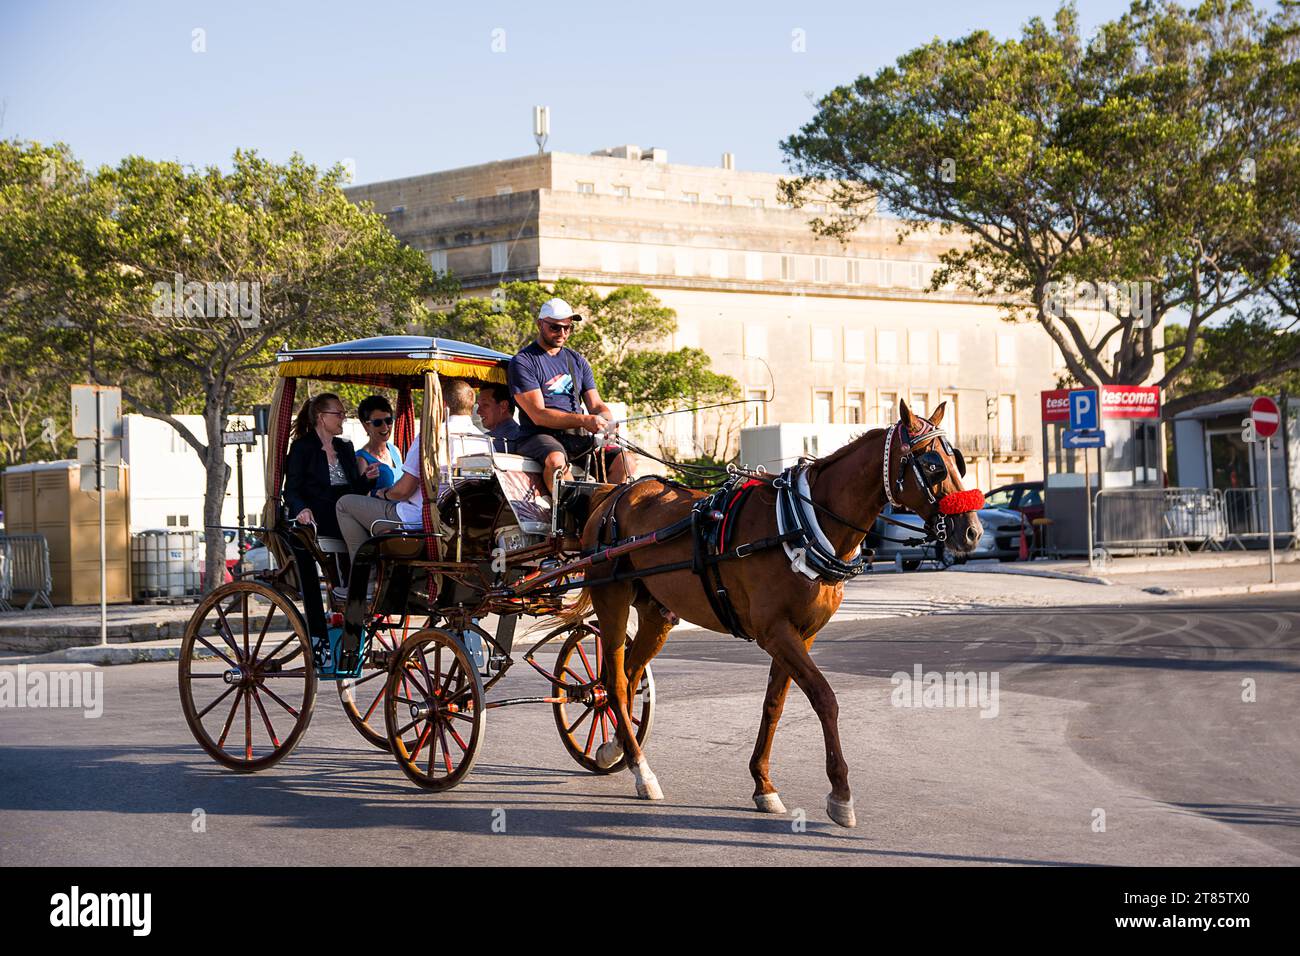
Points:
(923, 472)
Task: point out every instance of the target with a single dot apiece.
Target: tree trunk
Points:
(214, 493)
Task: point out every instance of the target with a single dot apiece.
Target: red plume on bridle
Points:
(960, 502)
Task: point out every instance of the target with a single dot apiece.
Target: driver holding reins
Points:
(551, 383)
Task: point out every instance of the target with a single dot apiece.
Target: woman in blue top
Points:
(377, 417)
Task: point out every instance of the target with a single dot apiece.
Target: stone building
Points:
(845, 329)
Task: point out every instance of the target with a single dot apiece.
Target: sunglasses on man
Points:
(557, 327)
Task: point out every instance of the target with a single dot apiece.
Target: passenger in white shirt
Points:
(401, 505)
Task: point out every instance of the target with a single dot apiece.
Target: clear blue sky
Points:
(407, 88)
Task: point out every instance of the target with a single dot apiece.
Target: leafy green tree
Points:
(619, 336)
(1163, 152)
(179, 285)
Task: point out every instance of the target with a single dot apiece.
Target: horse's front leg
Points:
(788, 649)
(766, 798)
(612, 603)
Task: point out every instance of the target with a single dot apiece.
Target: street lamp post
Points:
(990, 406)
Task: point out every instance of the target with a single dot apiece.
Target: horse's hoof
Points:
(769, 803)
(647, 784)
(608, 754)
(841, 811)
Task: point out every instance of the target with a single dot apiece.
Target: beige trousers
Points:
(356, 513)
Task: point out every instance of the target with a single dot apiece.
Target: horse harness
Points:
(798, 531)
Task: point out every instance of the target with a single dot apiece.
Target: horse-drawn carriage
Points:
(764, 558)
(407, 649)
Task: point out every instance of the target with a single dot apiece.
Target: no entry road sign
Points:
(1266, 415)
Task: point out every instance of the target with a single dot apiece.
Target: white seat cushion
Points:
(332, 545)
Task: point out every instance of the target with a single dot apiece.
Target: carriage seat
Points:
(332, 545)
(506, 462)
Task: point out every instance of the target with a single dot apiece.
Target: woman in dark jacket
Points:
(322, 467)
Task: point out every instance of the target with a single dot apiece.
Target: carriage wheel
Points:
(433, 710)
(584, 727)
(363, 698)
(248, 705)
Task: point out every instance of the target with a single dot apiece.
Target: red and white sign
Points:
(1266, 416)
(1117, 401)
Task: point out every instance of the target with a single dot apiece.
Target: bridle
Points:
(929, 469)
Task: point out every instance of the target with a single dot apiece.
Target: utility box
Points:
(46, 498)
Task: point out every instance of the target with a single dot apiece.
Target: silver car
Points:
(1001, 539)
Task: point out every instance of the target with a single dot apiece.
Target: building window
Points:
(655, 192)
(1006, 350)
(888, 407)
(855, 408)
(724, 200)
(855, 345)
(886, 347)
(756, 341)
(951, 420)
(823, 406)
(647, 261)
(853, 272)
(754, 266)
(915, 275)
(718, 264)
(886, 273)
(691, 197)
(682, 262)
(757, 203)
(948, 350)
(586, 188)
(787, 268)
(438, 262)
(756, 409)
(918, 348)
(500, 257)
(821, 269)
(623, 192)
(823, 345)
(920, 403)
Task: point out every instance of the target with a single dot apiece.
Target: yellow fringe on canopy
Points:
(329, 369)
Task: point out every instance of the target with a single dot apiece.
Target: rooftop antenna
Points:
(541, 126)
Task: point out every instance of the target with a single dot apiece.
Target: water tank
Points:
(165, 565)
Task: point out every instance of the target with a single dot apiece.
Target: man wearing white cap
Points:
(551, 383)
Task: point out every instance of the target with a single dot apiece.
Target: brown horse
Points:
(781, 608)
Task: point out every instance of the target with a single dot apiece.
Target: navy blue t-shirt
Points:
(554, 374)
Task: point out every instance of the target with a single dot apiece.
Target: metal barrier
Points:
(1160, 519)
(25, 569)
(1247, 515)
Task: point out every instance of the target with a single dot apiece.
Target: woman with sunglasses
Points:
(377, 417)
(322, 466)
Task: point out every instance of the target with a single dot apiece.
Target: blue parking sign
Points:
(1083, 409)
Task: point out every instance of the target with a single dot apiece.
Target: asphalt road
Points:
(1121, 737)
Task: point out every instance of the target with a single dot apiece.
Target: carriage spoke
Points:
(574, 726)
(204, 642)
(591, 736)
(276, 697)
(419, 741)
(446, 753)
(456, 737)
(229, 690)
(371, 676)
(226, 633)
(587, 664)
(266, 626)
(248, 726)
(374, 704)
(283, 645)
(296, 672)
(265, 719)
(230, 719)
(246, 627)
(404, 728)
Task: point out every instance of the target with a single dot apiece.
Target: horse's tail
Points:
(578, 611)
